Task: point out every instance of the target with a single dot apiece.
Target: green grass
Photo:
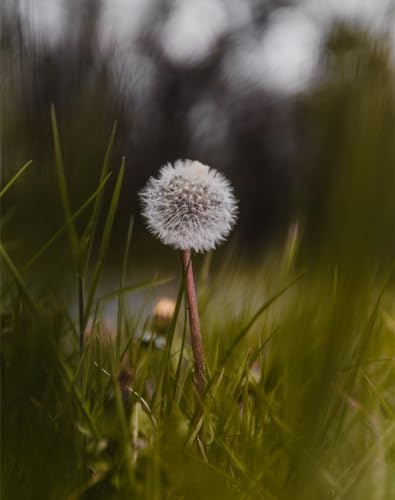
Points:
(300, 363)
(300, 342)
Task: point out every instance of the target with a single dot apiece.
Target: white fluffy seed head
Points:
(189, 206)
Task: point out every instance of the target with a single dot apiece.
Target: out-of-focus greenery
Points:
(300, 345)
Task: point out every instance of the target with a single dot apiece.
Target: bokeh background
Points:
(292, 100)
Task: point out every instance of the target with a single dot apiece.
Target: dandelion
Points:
(190, 207)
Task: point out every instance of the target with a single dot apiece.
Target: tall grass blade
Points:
(12, 181)
(91, 228)
(244, 331)
(17, 276)
(60, 231)
(73, 238)
(121, 289)
(104, 242)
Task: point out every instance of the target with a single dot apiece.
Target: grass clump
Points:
(300, 369)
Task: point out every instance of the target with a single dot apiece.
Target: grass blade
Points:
(256, 316)
(73, 238)
(90, 230)
(105, 241)
(16, 275)
(60, 231)
(137, 287)
(11, 182)
(121, 289)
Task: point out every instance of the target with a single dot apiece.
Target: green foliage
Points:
(299, 403)
(300, 358)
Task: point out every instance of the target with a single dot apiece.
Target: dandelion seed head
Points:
(189, 206)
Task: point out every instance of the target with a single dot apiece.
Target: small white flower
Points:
(189, 206)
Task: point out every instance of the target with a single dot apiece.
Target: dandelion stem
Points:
(196, 336)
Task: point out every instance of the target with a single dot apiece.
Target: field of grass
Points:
(300, 354)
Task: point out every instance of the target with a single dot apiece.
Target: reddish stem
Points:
(196, 336)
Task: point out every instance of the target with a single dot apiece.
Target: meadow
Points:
(299, 349)
(97, 393)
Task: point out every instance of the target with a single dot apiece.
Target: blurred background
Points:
(292, 100)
